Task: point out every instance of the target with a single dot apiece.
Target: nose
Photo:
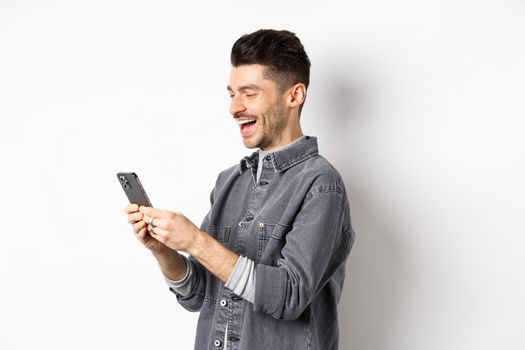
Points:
(237, 105)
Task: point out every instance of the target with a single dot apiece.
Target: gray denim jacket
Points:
(295, 224)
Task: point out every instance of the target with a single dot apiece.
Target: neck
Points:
(285, 139)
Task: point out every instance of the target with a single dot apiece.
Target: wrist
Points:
(164, 254)
(172, 264)
(199, 241)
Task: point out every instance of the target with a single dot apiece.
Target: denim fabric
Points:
(295, 224)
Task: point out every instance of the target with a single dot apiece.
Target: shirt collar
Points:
(285, 158)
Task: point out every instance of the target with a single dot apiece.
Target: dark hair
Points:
(280, 50)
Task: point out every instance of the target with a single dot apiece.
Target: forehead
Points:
(249, 74)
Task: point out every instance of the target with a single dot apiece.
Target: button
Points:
(223, 303)
(268, 157)
(217, 343)
(233, 338)
(261, 225)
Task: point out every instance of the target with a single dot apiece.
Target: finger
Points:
(151, 230)
(131, 208)
(147, 220)
(141, 235)
(164, 223)
(157, 232)
(135, 217)
(158, 222)
(156, 213)
(139, 225)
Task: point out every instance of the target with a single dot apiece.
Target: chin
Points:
(250, 143)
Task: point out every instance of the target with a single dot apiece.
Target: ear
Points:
(296, 95)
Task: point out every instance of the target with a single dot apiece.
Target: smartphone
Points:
(133, 188)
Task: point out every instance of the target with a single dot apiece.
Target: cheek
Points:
(264, 122)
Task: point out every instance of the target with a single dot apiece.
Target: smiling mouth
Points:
(246, 125)
(246, 122)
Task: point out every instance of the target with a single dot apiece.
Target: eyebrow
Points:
(244, 87)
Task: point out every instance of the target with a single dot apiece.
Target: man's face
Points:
(257, 107)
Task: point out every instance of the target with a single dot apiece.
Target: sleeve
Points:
(318, 243)
(184, 285)
(242, 279)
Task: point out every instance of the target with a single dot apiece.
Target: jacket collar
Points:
(286, 158)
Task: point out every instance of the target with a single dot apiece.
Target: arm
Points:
(317, 244)
(176, 232)
(171, 262)
(214, 256)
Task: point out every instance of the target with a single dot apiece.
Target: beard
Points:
(273, 123)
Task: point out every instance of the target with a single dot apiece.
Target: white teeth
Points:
(240, 122)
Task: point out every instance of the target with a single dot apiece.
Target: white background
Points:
(419, 104)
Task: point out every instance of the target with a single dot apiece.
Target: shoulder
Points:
(323, 176)
(228, 173)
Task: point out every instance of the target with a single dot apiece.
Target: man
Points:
(266, 268)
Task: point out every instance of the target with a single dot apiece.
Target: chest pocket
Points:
(220, 233)
(271, 240)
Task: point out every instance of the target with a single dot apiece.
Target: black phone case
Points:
(133, 188)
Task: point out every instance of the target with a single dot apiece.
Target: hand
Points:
(172, 229)
(140, 229)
